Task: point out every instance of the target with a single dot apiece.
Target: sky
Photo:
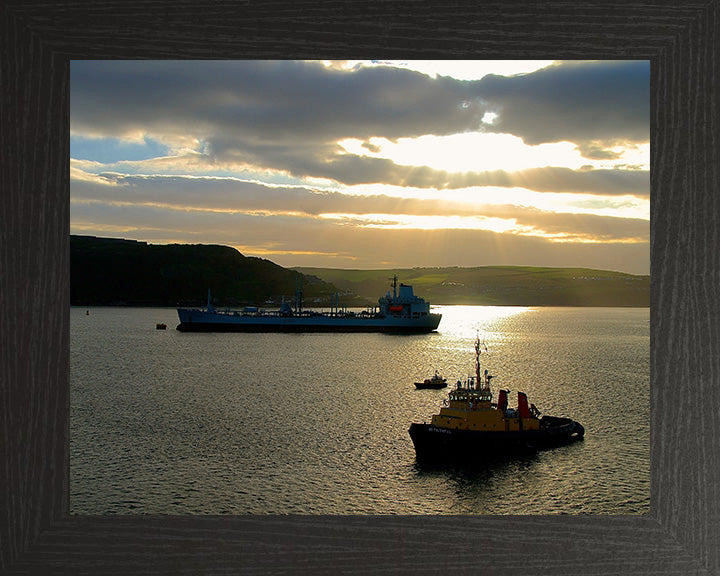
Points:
(368, 164)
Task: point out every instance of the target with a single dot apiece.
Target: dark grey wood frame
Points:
(680, 535)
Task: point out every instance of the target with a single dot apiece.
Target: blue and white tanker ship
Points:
(398, 311)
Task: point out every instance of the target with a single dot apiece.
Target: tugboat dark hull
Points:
(433, 443)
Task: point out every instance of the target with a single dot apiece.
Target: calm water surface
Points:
(164, 422)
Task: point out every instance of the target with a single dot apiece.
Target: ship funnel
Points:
(502, 400)
(523, 407)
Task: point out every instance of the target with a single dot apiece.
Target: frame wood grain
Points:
(681, 535)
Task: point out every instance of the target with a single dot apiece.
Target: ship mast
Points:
(299, 294)
(486, 393)
(477, 362)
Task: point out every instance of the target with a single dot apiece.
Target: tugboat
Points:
(435, 383)
(471, 427)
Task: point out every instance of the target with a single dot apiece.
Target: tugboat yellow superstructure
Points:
(470, 424)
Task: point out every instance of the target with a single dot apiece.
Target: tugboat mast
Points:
(477, 363)
(485, 391)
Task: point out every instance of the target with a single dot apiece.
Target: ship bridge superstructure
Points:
(402, 302)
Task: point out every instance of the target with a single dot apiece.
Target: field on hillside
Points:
(498, 285)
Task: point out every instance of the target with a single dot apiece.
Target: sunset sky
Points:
(369, 164)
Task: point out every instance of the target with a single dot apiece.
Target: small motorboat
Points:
(435, 382)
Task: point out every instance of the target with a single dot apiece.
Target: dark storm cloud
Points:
(289, 115)
(578, 102)
(265, 101)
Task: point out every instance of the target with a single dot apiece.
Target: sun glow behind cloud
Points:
(480, 152)
(409, 222)
(439, 223)
(481, 197)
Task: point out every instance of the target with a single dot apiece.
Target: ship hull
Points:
(201, 321)
(433, 443)
(249, 327)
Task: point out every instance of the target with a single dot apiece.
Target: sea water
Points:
(164, 422)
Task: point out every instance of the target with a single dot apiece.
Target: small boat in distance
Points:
(436, 382)
(400, 311)
(470, 427)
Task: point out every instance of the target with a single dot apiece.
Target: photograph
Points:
(359, 287)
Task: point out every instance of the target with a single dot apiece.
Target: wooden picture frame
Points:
(680, 535)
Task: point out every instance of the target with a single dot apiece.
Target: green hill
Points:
(106, 271)
(499, 285)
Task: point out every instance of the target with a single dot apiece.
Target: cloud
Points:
(232, 194)
(587, 102)
(261, 101)
(173, 198)
(289, 115)
(354, 170)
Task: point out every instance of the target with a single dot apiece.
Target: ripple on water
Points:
(166, 422)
